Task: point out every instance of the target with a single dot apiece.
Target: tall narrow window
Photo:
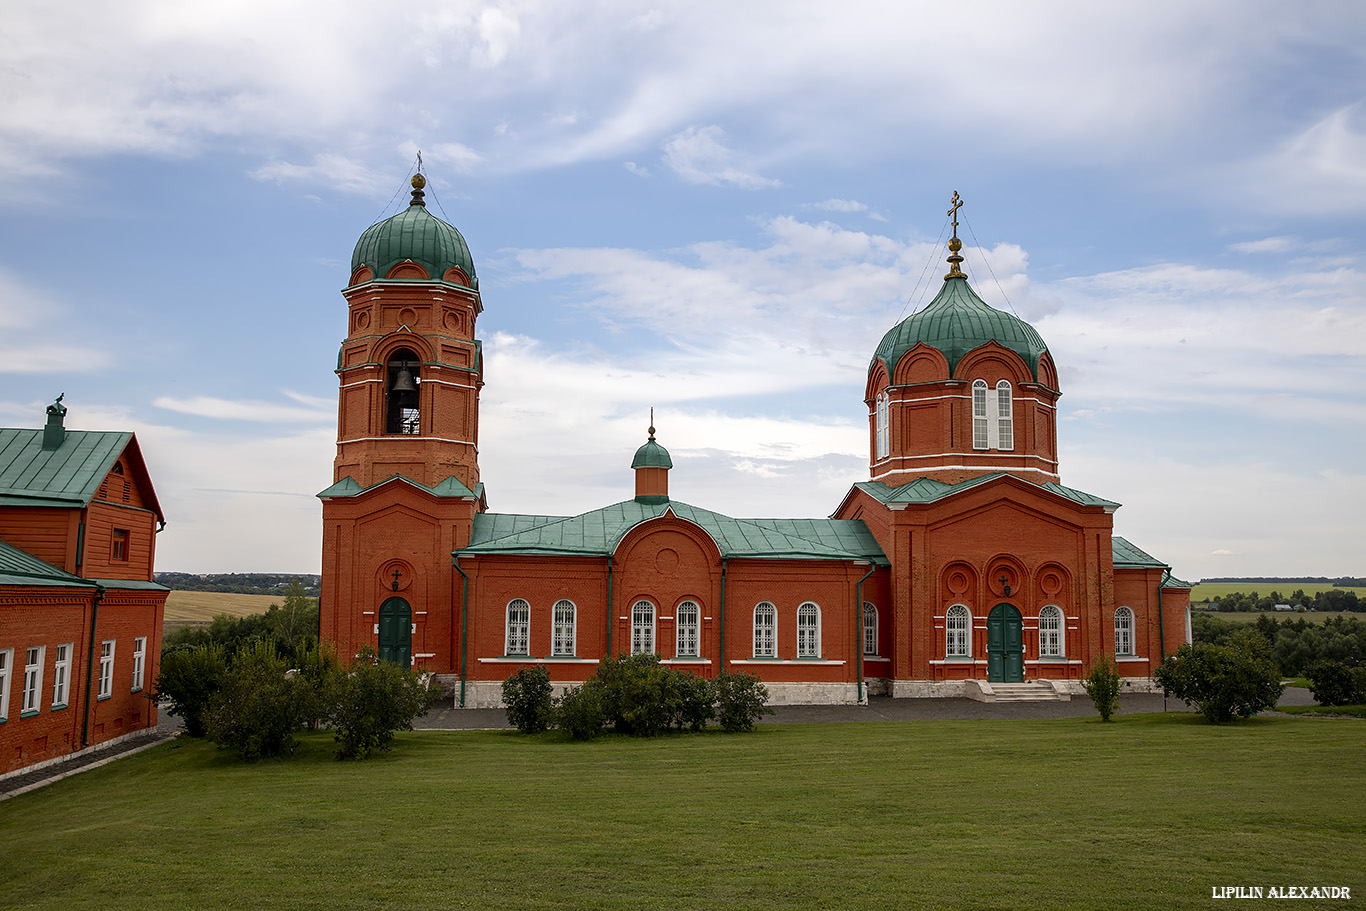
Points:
(958, 631)
(765, 630)
(642, 628)
(562, 644)
(33, 679)
(6, 663)
(139, 661)
(402, 393)
(1050, 632)
(518, 628)
(688, 624)
(118, 548)
(1124, 631)
(106, 688)
(869, 629)
(61, 675)
(808, 631)
(1005, 417)
(883, 424)
(981, 424)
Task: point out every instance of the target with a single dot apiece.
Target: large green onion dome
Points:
(414, 234)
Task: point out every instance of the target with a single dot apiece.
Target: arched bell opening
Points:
(402, 393)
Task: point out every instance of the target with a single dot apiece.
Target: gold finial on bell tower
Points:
(955, 244)
(652, 423)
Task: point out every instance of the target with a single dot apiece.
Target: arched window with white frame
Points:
(809, 630)
(642, 628)
(1124, 631)
(869, 629)
(765, 630)
(564, 630)
(1051, 632)
(958, 632)
(1005, 417)
(518, 640)
(883, 423)
(981, 424)
(688, 617)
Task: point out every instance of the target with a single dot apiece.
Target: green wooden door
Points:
(396, 632)
(1005, 645)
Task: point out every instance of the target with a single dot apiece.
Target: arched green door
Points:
(396, 632)
(1005, 645)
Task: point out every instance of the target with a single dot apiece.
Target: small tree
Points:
(741, 700)
(257, 710)
(1102, 685)
(527, 698)
(374, 700)
(1223, 682)
(1336, 682)
(189, 678)
(579, 710)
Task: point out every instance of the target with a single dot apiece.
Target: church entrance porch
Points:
(1005, 645)
(396, 632)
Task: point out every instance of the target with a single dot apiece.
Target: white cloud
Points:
(260, 412)
(1320, 169)
(840, 205)
(700, 155)
(336, 171)
(30, 343)
(1280, 244)
(636, 169)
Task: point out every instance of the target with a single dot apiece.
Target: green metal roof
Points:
(956, 322)
(652, 455)
(451, 487)
(414, 234)
(18, 567)
(1126, 556)
(68, 476)
(598, 533)
(928, 490)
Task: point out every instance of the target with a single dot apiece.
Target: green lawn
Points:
(1149, 811)
(1203, 591)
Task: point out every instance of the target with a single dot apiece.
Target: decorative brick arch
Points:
(921, 364)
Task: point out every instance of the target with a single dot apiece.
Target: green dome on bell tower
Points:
(417, 235)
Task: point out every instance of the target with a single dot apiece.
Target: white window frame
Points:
(993, 416)
(981, 424)
(643, 627)
(139, 662)
(106, 687)
(1005, 417)
(34, 657)
(1051, 629)
(1124, 632)
(517, 628)
(958, 632)
(6, 671)
(564, 619)
(809, 630)
(869, 628)
(765, 630)
(688, 629)
(883, 424)
(61, 675)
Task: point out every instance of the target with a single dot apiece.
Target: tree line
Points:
(1294, 644)
(291, 628)
(1331, 599)
(240, 583)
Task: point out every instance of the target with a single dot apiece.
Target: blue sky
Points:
(714, 209)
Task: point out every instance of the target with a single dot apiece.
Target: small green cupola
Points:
(652, 464)
(413, 236)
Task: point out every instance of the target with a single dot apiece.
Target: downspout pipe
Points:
(90, 664)
(858, 629)
(611, 621)
(464, 622)
(724, 560)
(1161, 627)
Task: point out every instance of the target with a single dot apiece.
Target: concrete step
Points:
(1036, 691)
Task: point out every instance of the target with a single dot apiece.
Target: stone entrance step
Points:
(1034, 691)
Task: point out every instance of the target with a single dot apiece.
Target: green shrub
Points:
(188, 679)
(579, 710)
(319, 673)
(1102, 685)
(527, 698)
(639, 696)
(1223, 682)
(741, 700)
(375, 699)
(694, 700)
(257, 710)
(1336, 682)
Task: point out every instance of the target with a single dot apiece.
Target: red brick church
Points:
(961, 566)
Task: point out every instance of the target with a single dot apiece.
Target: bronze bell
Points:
(404, 381)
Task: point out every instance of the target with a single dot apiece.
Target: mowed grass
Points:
(1203, 591)
(201, 607)
(1150, 811)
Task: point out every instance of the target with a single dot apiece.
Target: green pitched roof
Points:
(68, 476)
(598, 533)
(451, 487)
(414, 234)
(1126, 556)
(18, 567)
(928, 490)
(956, 322)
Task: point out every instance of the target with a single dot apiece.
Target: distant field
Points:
(1203, 591)
(1313, 616)
(201, 607)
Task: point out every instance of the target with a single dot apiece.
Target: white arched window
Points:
(958, 631)
(562, 641)
(688, 617)
(518, 628)
(765, 630)
(883, 423)
(981, 424)
(1050, 632)
(1124, 631)
(808, 631)
(1005, 417)
(869, 629)
(642, 628)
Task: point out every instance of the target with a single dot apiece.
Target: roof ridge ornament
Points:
(652, 424)
(955, 244)
(418, 183)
